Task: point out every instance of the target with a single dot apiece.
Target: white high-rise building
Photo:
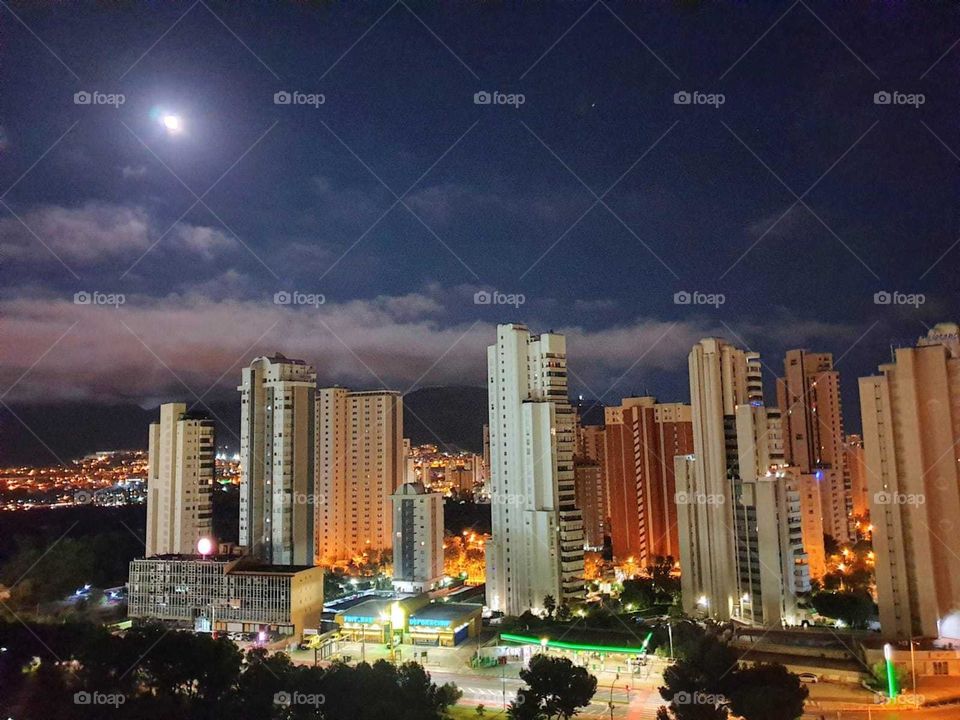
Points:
(417, 538)
(537, 544)
(360, 461)
(180, 476)
(738, 517)
(277, 497)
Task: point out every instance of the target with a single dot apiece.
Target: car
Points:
(809, 677)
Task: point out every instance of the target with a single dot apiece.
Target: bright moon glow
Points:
(204, 546)
(172, 123)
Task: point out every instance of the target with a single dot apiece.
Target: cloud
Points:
(94, 232)
(133, 171)
(183, 345)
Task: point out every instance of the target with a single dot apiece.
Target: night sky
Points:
(784, 186)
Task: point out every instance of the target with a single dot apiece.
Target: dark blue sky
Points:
(598, 198)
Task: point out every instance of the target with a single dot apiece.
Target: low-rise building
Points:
(410, 619)
(226, 594)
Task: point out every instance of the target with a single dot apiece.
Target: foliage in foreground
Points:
(80, 672)
(555, 688)
(708, 683)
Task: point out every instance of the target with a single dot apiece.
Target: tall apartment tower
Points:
(360, 462)
(537, 544)
(277, 494)
(417, 538)
(591, 500)
(856, 466)
(809, 400)
(911, 431)
(180, 476)
(734, 511)
(642, 438)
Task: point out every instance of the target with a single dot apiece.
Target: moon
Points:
(172, 123)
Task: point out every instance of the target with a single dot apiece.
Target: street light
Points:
(913, 671)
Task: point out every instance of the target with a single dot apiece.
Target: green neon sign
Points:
(561, 645)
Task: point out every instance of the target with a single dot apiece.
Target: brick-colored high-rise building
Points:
(642, 437)
(911, 432)
(591, 500)
(809, 398)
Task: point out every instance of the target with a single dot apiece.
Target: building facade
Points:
(277, 496)
(809, 398)
(737, 520)
(911, 431)
(591, 501)
(537, 544)
(857, 469)
(360, 461)
(417, 538)
(180, 477)
(226, 594)
(642, 437)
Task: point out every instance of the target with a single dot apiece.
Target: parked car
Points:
(809, 677)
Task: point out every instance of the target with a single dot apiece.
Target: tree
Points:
(638, 593)
(854, 608)
(549, 604)
(555, 688)
(766, 692)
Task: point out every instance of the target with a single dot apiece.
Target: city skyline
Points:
(456, 359)
(503, 188)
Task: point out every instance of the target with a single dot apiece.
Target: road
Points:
(633, 697)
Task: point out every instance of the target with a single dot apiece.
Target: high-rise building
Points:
(360, 462)
(590, 443)
(911, 431)
(642, 438)
(537, 544)
(809, 400)
(805, 493)
(180, 476)
(857, 469)
(277, 496)
(417, 538)
(591, 501)
(740, 552)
